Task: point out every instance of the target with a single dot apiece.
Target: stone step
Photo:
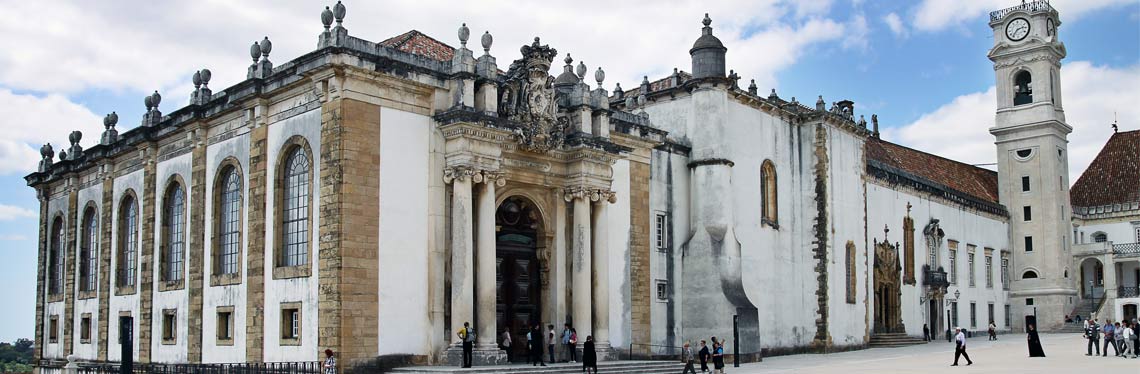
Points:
(894, 340)
(620, 367)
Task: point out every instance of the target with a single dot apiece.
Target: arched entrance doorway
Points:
(518, 302)
(888, 313)
(1092, 279)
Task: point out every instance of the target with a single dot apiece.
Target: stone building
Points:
(372, 197)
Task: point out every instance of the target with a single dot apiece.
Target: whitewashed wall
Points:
(619, 225)
(847, 323)
(404, 222)
(124, 303)
(88, 197)
(57, 207)
(669, 193)
(1119, 231)
(228, 295)
(168, 172)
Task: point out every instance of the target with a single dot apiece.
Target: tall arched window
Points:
(295, 209)
(1022, 88)
(768, 192)
(55, 258)
(228, 222)
(173, 232)
(128, 241)
(89, 250)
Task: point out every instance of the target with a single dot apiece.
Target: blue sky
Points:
(920, 65)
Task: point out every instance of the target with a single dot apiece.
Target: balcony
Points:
(1126, 292)
(934, 278)
(1126, 250)
(1034, 7)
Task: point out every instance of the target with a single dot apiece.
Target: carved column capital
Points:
(592, 194)
(453, 173)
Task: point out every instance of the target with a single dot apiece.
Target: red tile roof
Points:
(965, 178)
(418, 43)
(1113, 177)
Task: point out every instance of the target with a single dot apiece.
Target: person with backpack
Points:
(468, 338)
(568, 343)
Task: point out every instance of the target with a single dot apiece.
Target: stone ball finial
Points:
(75, 137)
(486, 40)
(327, 17)
(46, 151)
(707, 21)
(339, 12)
(110, 120)
(155, 98)
(599, 75)
(149, 102)
(255, 51)
(568, 59)
(464, 33)
(197, 79)
(206, 75)
(266, 46)
(630, 102)
(581, 70)
(62, 155)
(644, 80)
(617, 87)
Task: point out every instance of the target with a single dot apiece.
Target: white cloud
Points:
(1090, 95)
(895, 23)
(30, 121)
(856, 32)
(9, 212)
(12, 237)
(936, 15)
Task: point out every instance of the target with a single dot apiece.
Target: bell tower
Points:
(1032, 153)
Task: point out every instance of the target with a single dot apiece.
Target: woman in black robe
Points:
(589, 356)
(1035, 343)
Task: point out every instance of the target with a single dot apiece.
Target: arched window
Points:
(295, 209)
(55, 258)
(128, 241)
(1099, 237)
(1022, 88)
(768, 192)
(227, 216)
(1029, 274)
(173, 232)
(89, 250)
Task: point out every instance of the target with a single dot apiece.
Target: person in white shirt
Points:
(960, 347)
(1129, 331)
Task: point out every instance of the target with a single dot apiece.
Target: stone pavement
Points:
(1065, 354)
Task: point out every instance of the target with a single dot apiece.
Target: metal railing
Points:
(934, 278)
(1122, 292)
(306, 367)
(1031, 7)
(1126, 249)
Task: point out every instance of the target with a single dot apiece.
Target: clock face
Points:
(1017, 29)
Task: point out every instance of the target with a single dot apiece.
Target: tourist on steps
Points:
(566, 342)
(505, 344)
(589, 356)
(468, 338)
(550, 341)
(534, 337)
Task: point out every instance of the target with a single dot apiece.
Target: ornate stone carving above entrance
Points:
(888, 293)
(527, 97)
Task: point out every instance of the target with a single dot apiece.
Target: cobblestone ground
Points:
(1009, 354)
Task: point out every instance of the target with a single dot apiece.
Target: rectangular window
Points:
(973, 315)
(661, 229)
(85, 329)
(970, 270)
(1008, 315)
(1029, 301)
(1027, 212)
(990, 310)
(1137, 234)
(662, 290)
(953, 261)
(291, 323)
(169, 325)
(1029, 244)
(1004, 271)
(989, 271)
(53, 329)
(225, 323)
(954, 313)
(1025, 184)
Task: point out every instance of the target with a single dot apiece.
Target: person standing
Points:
(993, 331)
(703, 355)
(1118, 338)
(468, 338)
(1109, 338)
(550, 341)
(535, 338)
(589, 356)
(1034, 343)
(568, 342)
(505, 344)
(718, 356)
(329, 367)
(960, 347)
(1092, 333)
(688, 359)
(1129, 336)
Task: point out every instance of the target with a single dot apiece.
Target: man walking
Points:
(1109, 337)
(468, 338)
(688, 359)
(960, 347)
(1092, 333)
(925, 333)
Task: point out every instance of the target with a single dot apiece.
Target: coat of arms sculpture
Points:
(527, 97)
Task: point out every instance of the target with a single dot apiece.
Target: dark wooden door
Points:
(519, 296)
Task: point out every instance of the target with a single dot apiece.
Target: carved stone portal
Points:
(527, 97)
(888, 293)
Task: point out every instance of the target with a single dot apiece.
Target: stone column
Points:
(601, 278)
(462, 298)
(485, 266)
(580, 265)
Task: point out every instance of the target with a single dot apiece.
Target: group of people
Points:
(1122, 336)
(534, 345)
(1033, 340)
(704, 355)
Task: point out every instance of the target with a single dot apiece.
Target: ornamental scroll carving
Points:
(593, 194)
(453, 173)
(527, 97)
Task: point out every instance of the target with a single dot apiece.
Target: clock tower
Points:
(1032, 153)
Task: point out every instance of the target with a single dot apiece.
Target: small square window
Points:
(1029, 301)
(1027, 212)
(53, 329)
(662, 290)
(85, 329)
(291, 323)
(169, 325)
(225, 322)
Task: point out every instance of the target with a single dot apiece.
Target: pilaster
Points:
(69, 248)
(197, 247)
(255, 259)
(640, 282)
(38, 353)
(146, 256)
(580, 263)
(105, 251)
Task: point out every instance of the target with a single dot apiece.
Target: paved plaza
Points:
(1065, 354)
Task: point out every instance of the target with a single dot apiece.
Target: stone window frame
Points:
(165, 259)
(989, 252)
(769, 198)
(954, 314)
(1005, 275)
(88, 243)
(991, 313)
(227, 340)
(280, 271)
(292, 321)
(952, 257)
(85, 328)
(661, 231)
(908, 249)
(55, 258)
(1028, 245)
(217, 278)
(851, 272)
(972, 264)
(53, 329)
(127, 244)
(662, 290)
(973, 315)
(169, 326)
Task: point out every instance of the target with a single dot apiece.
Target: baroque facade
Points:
(372, 197)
